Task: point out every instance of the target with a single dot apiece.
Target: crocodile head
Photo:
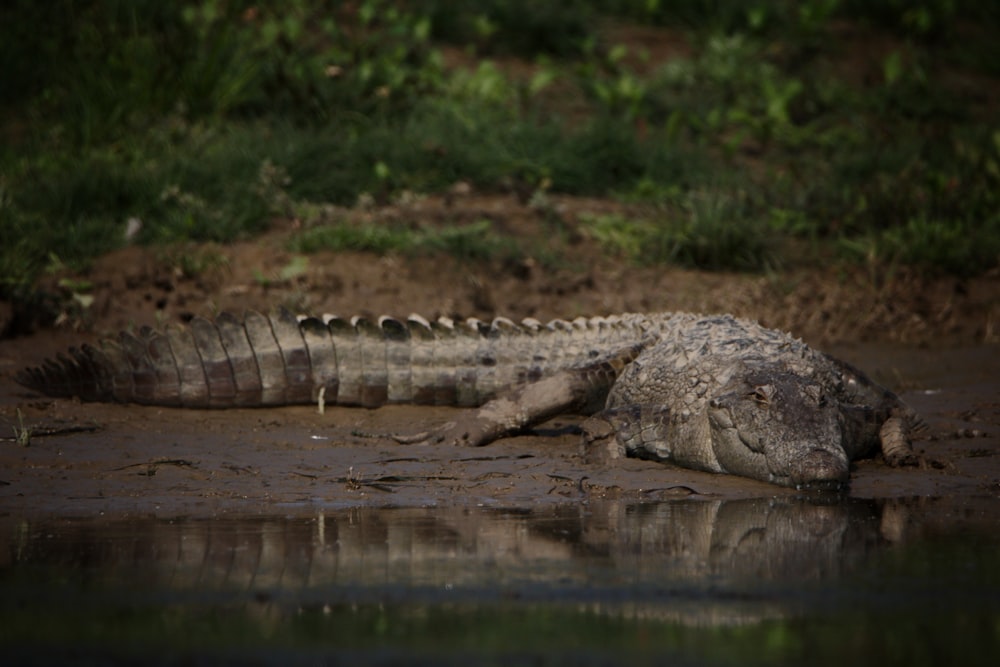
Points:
(778, 427)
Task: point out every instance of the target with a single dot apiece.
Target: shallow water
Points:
(750, 581)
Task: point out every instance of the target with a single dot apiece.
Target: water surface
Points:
(826, 580)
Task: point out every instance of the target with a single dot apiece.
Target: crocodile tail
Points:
(228, 362)
(283, 360)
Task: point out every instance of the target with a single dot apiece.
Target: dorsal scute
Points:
(475, 326)
(611, 321)
(531, 325)
(600, 324)
(338, 325)
(559, 325)
(420, 329)
(418, 319)
(393, 329)
(504, 326)
(444, 326)
(312, 324)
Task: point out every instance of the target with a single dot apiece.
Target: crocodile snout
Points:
(820, 469)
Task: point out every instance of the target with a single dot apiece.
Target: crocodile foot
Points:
(600, 444)
(466, 431)
(896, 449)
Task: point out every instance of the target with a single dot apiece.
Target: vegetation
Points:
(861, 130)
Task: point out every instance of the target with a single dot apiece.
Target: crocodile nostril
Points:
(820, 467)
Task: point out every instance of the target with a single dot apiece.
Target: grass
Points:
(711, 229)
(22, 433)
(205, 121)
(472, 242)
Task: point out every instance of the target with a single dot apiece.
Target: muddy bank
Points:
(562, 273)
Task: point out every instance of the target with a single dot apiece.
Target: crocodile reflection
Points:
(601, 546)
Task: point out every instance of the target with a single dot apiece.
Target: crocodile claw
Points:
(465, 432)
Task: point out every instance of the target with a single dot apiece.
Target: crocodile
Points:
(709, 392)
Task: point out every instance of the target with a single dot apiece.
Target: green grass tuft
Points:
(472, 242)
(710, 231)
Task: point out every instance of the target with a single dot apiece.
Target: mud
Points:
(930, 339)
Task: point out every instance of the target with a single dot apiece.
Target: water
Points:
(823, 580)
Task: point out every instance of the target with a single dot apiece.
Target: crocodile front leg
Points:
(506, 415)
(894, 437)
(868, 430)
(574, 391)
(639, 430)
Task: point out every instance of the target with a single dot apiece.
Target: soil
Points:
(932, 339)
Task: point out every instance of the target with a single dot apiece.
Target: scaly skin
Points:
(712, 393)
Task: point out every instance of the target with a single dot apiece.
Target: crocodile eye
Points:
(761, 395)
